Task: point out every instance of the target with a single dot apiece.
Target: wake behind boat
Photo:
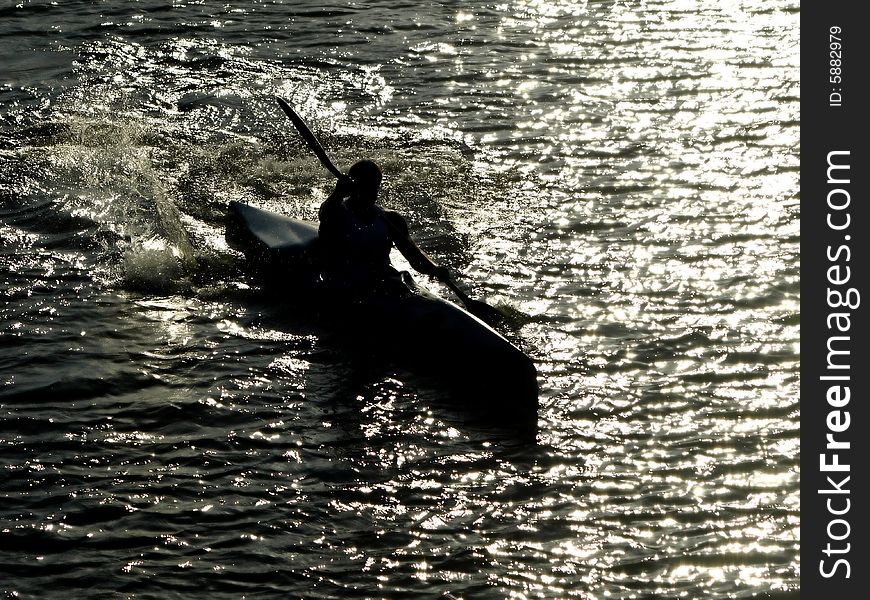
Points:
(481, 369)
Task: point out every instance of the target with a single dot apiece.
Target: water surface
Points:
(624, 172)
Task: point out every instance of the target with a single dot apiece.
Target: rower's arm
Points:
(333, 202)
(418, 259)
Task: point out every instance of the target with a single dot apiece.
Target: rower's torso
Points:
(356, 241)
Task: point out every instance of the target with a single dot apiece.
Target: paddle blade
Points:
(309, 138)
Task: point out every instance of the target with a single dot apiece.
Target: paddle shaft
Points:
(452, 285)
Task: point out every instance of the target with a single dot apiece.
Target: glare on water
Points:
(625, 173)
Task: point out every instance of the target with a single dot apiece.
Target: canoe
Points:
(420, 330)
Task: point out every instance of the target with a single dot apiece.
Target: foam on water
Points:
(152, 270)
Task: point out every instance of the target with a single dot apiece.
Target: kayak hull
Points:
(418, 329)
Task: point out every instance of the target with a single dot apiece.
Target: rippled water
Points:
(624, 172)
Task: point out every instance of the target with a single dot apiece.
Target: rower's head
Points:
(367, 177)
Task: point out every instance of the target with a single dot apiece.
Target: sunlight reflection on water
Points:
(623, 172)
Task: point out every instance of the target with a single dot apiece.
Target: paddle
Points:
(483, 311)
(310, 138)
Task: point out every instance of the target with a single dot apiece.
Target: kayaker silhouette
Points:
(357, 236)
(352, 205)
